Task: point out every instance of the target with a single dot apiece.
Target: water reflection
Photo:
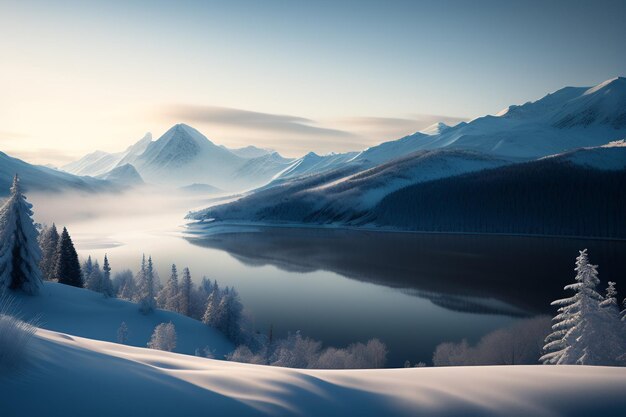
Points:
(488, 274)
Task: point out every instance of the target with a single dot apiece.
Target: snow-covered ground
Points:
(69, 375)
(85, 313)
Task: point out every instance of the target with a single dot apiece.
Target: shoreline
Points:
(204, 228)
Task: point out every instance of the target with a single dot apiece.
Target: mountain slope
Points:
(86, 313)
(123, 174)
(579, 193)
(569, 118)
(345, 193)
(143, 382)
(99, 162)
(39, 178)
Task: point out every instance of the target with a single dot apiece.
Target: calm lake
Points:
(412, 291)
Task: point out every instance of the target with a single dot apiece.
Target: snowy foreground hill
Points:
(76, 376)
(85, 313)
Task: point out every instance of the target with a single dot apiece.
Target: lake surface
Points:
(412, 291)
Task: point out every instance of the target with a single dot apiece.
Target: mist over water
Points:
(412, 291)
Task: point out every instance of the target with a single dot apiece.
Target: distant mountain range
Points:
(401, 184)
(40, 178)
(340, 186)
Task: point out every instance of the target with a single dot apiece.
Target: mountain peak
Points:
(617, 82)
(435, 129)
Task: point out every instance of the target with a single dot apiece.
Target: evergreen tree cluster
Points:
(98, 279)
(60, 260)
(589, 328)
(217, 307)
(540, 197)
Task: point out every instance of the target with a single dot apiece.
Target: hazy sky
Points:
(291, 75)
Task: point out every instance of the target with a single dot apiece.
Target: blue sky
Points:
(291, 75)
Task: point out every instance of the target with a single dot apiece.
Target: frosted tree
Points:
(93, 281)
(581, 334)
(229, 315)
(87, 269)
(124, 285)
(211, 315)
(623, 313)
(48, 241)
(122, 333)
(199, 298)
(168, 297)
(610, 303)
(19, 249)
(163, 337)
(186, 287)
(146, 290)
(107, 284)
(67, 269)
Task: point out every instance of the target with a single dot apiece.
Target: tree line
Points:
(541, 197)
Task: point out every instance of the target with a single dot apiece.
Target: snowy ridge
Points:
(123, 174)
(85, 313)
(99, 162)
(40, 178)
(173, 384)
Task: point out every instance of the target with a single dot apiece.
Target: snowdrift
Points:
(81, 312)
(69, 375)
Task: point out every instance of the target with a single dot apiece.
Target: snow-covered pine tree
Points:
(199, 299)
(93, 281)
(19, 249)
(107, 284)
(87, 269)
(186, 287)
(168, 297)
(163, 337)
(210, 317)
(146, 286)
(230, 313)
(610, 303)
(67, 269)
(48, 241)
(581, 334)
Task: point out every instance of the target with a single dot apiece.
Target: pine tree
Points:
(19, 250)
(93, 281)
(87, 269)
(168, 297)
(610, 300)
(67, 269)
(146, 286)
(107, 284)
(186, 287)
(582, 335)
(210, 317)
(48, 240)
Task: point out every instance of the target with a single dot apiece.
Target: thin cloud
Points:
(277, 123)
(42, 156)
(416, 122)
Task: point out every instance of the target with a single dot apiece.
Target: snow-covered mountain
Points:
(569, 118)
(249, 151)
(183, 156)
(123, 174)
(453, 191)
(100, 162)
(343, 193)
(40, 178)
